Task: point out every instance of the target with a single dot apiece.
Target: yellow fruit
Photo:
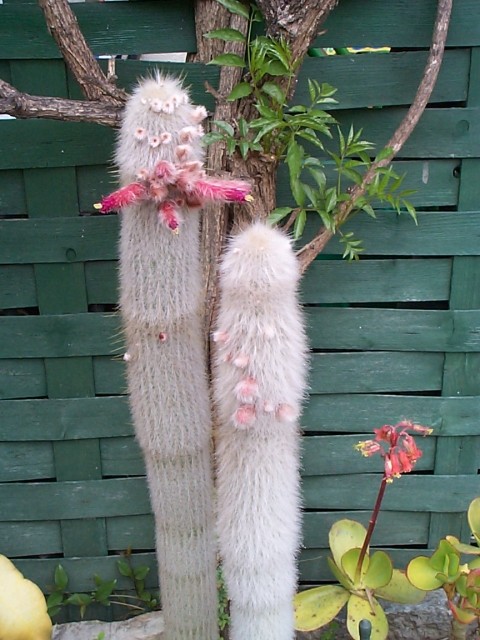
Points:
(23, 609)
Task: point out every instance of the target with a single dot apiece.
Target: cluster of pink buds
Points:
(396, 446)
(173, 187)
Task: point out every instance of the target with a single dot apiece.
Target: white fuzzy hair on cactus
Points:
(259, 386)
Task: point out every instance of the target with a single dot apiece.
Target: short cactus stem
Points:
(259, 385)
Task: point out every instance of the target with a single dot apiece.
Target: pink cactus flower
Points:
(140, 133)
(227, 190)
(199, 114)
(154, 141)
(247, 390)
(165, 137)
(166, 171)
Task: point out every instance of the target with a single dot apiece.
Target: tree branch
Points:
(63, 27)
(23, 105)
(310, 251)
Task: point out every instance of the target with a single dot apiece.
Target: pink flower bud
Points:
(220, 336)
(154, 141)
(140, 133)
(127, 357)
(244, 416)
(123, 197)
(162, 336)
(218, 189)
(198, 114)
(165, 137)
(156, 105)
(247, 390)
(268, 407)
(166, 171)
(183, 152)
(286, 413)
(241, 361)
(187, 134)
(169, 216)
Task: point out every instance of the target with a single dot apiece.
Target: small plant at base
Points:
(460, 582)
(223, 604)
(281, 130)
(364, 577)
(104, 592)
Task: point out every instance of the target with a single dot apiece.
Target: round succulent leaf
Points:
(379, 572)
(359, 609)
(345, 535)
(422, 575)
(400, 590)
(461, 547)
(461, 585)
(473, 515)
(339, 575)
(349, 566)
(442, 559)
(316, 607)
(474, 564)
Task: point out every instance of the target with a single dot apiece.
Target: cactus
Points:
(160, 162)
(259, 384)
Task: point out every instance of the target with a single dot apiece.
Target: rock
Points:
(148, 626)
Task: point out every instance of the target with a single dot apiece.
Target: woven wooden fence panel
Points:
(394, 335)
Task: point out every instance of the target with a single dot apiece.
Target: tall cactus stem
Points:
(259, 385)
(160, 282)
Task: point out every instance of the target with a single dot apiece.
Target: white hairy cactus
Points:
(259, 385)
(160, 278)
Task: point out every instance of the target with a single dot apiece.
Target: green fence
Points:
(394, 335)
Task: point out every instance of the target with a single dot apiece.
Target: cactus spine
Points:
(259, 384)
(161, 306)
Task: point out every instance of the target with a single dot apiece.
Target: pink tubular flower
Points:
(123, 197)
(169, 216)
(396, 446)
(166, 171)
(217, 189)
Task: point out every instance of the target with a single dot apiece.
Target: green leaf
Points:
(278, 214)
(349, 566)
(267, 128)
(236, 7)
(399, 589)
(274, 91)
(344, 535)
(105, 590)
(124, 568)
(330, 199)
(339, 575)
(294, 159)
(316, 607)
(244, 146)
(210, 138)
(359, 609)
(141, 572)
(60, 578)
(276, 68)
(422, 575)
(463, 548)
(241, 90)
(243, 127)
(54, 600)
(299, 108)
(473, 515)
(384, 154)
(228, 60)
(79, 599)
(227, 34)
(225, 126)
(379, 572)
(299, 224)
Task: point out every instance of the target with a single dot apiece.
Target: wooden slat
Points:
(123, 531)
(434, 182)
(392, 528)
(394, 329)
(359, 413)
(74, 500)
(81, 571)
(17, 286)
(12, 195)
(335, 281)
(21, 461)
(95, 238)
(437, 234)
(359, 492)
(384, 80)
(64, 419)
(441, 133)
(121, 457)
(58, 240)
(102, 282)
(49, 143)
(110, 28)
(109, 376)
(81, 334)
(22, 378)
(30, 538)
(398, 24)
(378, 372)
(324, 455)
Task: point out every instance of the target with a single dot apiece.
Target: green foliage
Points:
(223, 604)
(358, 588)
(288, 133)
(443, 570)
(104, 591)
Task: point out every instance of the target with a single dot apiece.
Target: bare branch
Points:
(23, 105)
(310, 251)
(63, 27)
